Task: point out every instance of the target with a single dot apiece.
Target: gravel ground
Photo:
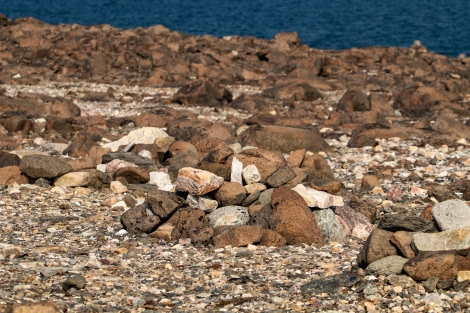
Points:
(68, 246)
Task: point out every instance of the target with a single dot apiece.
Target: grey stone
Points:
(46, 166)
(74, 281)
(389, 265)
(455, 239)
(452, 214)
(330, 228)
(280, 177)
(402, 222)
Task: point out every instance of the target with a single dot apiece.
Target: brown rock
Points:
(441, 193)
(191, 128)
(293, 219)
(377, 246)
(201, 236)
(270, 238)
(280, 177)
(365, 135)
(7, 173)
(402, 240)
(230, 193)
(296, 157)
(260, 214)
(164, 203)
(150, 119)
(432, 264)
(139, 220)
(266, 161)
(252, 103)
(133, 175)
(418, 102)
(187, 220)
(8, 159)
(327, 185)
(318, 167)
(296, 91)
(354, 100)
(369, 182)
(202, 93)
(238, 236)
(284, 139)
(33, 307)
(80, 146)
(46, 166)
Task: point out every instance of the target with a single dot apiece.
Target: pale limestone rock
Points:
(451, 214)
(251, 174)
(192, 201)
(463, 275)
(320, 199)
(196, 181)
(207, 204)
(228, 215)
(454, 239)
(117, 187)
(161, 180)
(236, 174)
(73, 179)
(166, 232)
(144, 135)
(164, 143)
(255, 187)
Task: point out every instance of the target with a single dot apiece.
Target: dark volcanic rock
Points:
(397, 222)
(139, 219)
(46, 166)
(164, 203)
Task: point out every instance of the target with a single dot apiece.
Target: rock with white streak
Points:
(319, 199)
(204, 203)
(144, 135)
(452, 214)
(73, 179)
(228, 215)
(196, 181)
(251, 174)
(236, 173)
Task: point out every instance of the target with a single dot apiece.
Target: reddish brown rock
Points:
(164, 203)
(188, 129)
(270, 238)
(296, 91)
(377, 246)
(296, 157)
(418, 102)
(327, 185)
(201, 236)
(252, 103)
(166, 232)
(230, 193)
(202, 93)
(187, 220)
(284, 139)
(368, 182)
(293, 219)
(432, 264)
(354, 100)
(238, 236)
(7, 173)
(266, 161)
(139, 220)
(402, 240)
(318, 167)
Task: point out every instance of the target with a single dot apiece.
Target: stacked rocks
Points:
(434, 251)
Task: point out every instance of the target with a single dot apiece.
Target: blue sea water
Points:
(443, 26)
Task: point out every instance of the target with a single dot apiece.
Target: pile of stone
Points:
(433, 248)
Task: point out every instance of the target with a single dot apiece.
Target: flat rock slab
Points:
(46, 166)
(402, 222)
(452, 214)
(455, 239)
(319, 199)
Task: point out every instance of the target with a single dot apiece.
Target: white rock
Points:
(117, 187)
(101, 167)
(161, 180)
(192, 201)
(237, 168)
(320, 199)
(144, 135)
(146, 154)
(251, 174)
(207, 204)
(452, 214)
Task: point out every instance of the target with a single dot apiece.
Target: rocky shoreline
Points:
(145, 170)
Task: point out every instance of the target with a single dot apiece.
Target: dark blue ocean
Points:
(443, 26)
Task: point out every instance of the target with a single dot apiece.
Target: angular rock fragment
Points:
(46, 166)
(228, 215)
(197, 182)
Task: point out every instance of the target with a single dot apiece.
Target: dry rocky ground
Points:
(145, 170)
